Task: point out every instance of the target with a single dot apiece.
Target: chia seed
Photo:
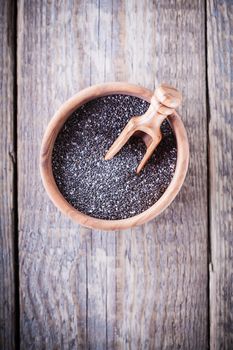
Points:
(110, 189)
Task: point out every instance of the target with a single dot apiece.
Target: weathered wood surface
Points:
(220, 82)
(7, 283)
(142, 288)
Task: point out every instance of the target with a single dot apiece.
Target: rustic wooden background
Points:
(167, 284)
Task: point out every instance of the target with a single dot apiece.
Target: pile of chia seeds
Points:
(110, 189)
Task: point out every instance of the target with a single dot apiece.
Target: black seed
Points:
(110, 189)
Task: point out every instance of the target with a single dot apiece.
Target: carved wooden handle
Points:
(166, 99)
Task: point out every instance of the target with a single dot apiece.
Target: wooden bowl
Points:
(55, 126)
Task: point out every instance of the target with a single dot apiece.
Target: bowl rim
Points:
(55, 125)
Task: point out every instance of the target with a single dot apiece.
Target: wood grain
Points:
(60, 265)
(7, 165)
(144, 288)
(162, 266)
(220, 86)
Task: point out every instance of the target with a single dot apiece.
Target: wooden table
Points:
(167, 284)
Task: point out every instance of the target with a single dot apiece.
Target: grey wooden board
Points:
(143, 288)
(7, 286)
(220, 82)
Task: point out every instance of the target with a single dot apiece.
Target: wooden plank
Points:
(220, 86)
(162, 266)
(141, 288)
(7, 165)
(61, 264)
(52, 250)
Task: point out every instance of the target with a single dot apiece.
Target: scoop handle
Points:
(166, 99)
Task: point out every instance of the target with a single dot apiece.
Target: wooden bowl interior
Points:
(55, 126)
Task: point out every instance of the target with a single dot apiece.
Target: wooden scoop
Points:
(163, 103)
